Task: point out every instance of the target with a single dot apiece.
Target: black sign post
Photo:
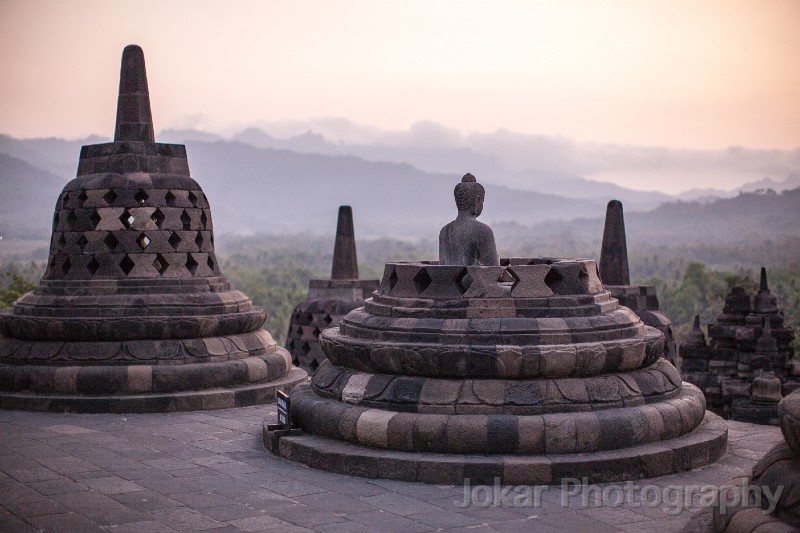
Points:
(284, 427)
(283, 410)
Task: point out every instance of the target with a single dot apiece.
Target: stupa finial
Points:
(696, 336)
(763, 283)
(614, 253)
(134, 120)
(345, 262)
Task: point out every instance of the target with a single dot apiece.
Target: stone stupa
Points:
(133, 314)
(614, 271)
(450, 372)
(328, 300)
(748, 364)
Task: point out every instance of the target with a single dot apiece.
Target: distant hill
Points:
(256, 190)
(755, 219)
(57, 156)
(28, 198)
(747, 217)
(792, 181)
(266, 190)
(280, 191)
(437, 159)
(540, 163)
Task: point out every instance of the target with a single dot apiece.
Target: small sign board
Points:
(283, 410)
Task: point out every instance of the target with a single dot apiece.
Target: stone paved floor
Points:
(208, 471)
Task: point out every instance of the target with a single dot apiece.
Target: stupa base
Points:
(155, 402)
(705, 445)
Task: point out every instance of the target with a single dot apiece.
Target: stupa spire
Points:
(345, 262)
(134, 119)
(764, 302)
(614, 253)
(696, 336)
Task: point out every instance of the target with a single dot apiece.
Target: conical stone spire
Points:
(134, 119)
(696, 336)
(614, 253)
(764, 302)
(345, 263)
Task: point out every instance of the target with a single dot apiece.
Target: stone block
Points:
(440, 391)
(560, 433)
(617, 426)
(530, 281)
(430, 433)
(441, 470)
(502, 434)
(467, 434)
(66, 379)
(527, 471)
(400, 435)
(140, 378)
(588, 432)
(372, 428)
(355, 388)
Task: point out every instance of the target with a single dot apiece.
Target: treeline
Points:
(274, 272)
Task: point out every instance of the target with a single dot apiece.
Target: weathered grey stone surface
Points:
(465, 241)
(207, 471)
(328, 300)
(747, 366)
(777, 473)
(133, 313)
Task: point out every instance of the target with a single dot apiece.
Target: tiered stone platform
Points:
(452, 372)
(133, 313)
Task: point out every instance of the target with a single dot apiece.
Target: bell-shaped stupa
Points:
(329, 300)
(477, 367)
(132, 313)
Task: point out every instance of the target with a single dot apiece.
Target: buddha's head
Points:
(469, 195)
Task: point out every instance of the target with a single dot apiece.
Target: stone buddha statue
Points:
(465, 241)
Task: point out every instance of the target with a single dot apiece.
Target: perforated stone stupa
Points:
(329, 300)
(132, 313)
(614, 271)
(450, 372)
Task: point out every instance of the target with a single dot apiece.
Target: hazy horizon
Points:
(507, 158)
(624, 84)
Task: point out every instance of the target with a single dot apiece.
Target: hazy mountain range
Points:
(540, 163)
(259, 183)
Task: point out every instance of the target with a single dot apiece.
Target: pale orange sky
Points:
(688, 74)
